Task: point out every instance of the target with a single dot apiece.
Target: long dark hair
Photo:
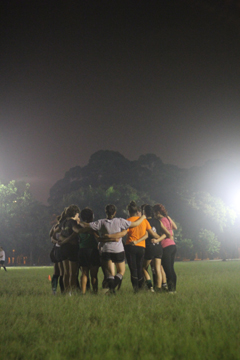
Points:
(110, 210)
(161, 209)
(148, 209)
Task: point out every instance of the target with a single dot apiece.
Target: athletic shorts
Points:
(58, 253)
(2, 262)
(88, 257)
(115, 257)
(153, 252)
(69, 252)
(52, 255)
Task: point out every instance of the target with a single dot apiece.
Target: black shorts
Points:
(69, 252)
(2, 262)
(89, 257)
(153, 252)
(58, 253)
(115, 257)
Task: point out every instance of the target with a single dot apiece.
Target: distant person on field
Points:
(168, 245)
(135, 246)
(55, 254)
(89, 258)
(2, 258)
(153, 253)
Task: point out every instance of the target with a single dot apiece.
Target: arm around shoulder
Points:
(137, 222)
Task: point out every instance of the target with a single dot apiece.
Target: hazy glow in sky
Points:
(160, 77)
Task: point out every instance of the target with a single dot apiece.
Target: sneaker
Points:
(165, 288)
(151, 289)
(106, 291)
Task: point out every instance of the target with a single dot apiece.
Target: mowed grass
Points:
(202, 321)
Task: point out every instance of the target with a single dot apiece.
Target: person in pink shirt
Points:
(168, 245)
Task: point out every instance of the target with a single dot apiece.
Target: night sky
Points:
(136, 77)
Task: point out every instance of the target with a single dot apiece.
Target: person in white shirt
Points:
(2, 258)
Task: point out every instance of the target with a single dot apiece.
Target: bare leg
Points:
(73, 267)
(146, 274)
(66, 275)
(109, 266)
(84, 279)
(55, 277)
(121, 268)
(61, 272)
(164, 278)
(157, 265)
(145, 271)
(94, 278)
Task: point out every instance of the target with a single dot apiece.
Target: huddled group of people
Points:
(84, 245)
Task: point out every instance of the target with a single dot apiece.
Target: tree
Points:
(24, 222)
(208, 243)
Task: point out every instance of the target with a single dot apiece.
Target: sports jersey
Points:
(156, 227)
(168, 225)
(111, 226)
(137, 232)
(87, 241)
(67, 230)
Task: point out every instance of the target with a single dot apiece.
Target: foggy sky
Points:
(136, 77)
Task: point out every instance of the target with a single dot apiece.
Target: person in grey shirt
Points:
(113, 251)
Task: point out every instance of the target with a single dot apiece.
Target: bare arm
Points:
(165, 230)
(156, 241)
(174, 226)
(63, 240)
(84, 224)
(54, 230)
(153, 233)
(54, 241)
(116, 235)
(137, 222)
(138, 241)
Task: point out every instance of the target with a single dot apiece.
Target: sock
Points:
(54, 282)
(149, 284)
(61, 284)
(164, 284)
(117, 280)
(111, 282)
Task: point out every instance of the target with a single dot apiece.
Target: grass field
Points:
(202, 321)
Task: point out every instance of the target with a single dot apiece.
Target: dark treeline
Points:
(197, 198)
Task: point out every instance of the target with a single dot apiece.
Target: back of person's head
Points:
(72, 210)
(87, 215)
(110, 210)
(148, 210)
(63, 216)
(132, 208)
(142, 208)
(1, 249)
(159, 208)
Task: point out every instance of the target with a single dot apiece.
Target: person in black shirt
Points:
(70, 248)
(153, 252)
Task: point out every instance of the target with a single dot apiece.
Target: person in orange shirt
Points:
(135, 246)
